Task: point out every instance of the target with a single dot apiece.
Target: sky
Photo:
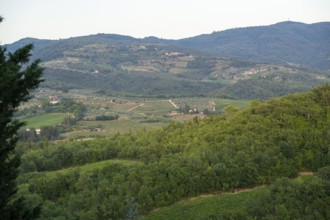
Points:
(168, 19)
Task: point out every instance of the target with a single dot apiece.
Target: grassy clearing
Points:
(95, 166)
(211, 205)
(48, 119)
(157, 108)
(205, 206)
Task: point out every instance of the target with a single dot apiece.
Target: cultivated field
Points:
(134, 113)
(49, 119)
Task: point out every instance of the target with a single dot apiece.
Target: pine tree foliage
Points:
(17, 78)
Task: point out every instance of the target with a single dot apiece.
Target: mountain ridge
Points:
(280, 43)
(283, 42)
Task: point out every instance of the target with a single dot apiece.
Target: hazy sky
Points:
(170, 19)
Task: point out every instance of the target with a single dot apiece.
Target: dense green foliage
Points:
(294, 200)
(137, 84)
(237, 149)
(17, 80)
(45, 133)
(106, 117)
(265, 89)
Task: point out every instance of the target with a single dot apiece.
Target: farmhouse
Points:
(54, 100)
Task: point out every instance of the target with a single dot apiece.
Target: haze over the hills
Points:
(169, 19)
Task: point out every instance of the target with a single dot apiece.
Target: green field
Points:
(48, 119)
(95, 166)
(211, 205)
(203, 207)
(157, 108)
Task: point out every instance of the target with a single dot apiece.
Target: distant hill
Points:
(285, 42)
(282, 43)
(116, 64)
(38, 43)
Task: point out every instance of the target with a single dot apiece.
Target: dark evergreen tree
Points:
(17, 78)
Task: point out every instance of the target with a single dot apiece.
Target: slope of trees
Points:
(237, 149)
(295, 200)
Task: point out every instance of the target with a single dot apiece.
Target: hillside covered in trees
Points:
(284, 42)
(243, 63)
(132, 174)
(308, 43)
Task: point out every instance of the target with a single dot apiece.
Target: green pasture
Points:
(204, 207)
(48, 119)
(211, 205)
(95, 166)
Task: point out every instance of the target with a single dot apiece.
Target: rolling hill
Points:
(198, 66)
(284, 42)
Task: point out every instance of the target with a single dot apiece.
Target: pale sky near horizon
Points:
(169, 19)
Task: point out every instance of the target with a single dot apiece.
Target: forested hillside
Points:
(284, 42)
(245, 63)
(130, 175)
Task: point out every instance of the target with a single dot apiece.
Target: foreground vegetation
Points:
(206, 206)
(237, 149)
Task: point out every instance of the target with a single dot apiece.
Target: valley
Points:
(216, 126)
(130, 114)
